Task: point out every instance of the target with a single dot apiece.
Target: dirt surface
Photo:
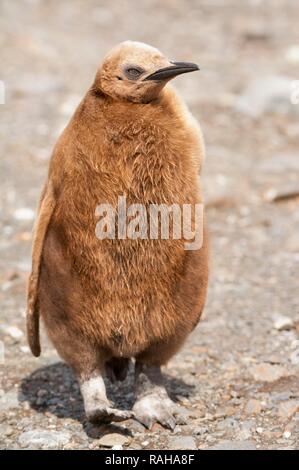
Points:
(237, 376)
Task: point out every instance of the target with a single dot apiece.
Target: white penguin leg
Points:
(96, 404)
(153, 404)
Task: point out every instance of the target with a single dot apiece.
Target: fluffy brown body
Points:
(104, 299)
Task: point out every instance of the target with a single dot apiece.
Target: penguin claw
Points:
(168, 421)
(152, 409)
(106, 414)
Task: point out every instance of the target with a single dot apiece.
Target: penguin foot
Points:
(153, 404)
(103, 413)
(157, 407)
(98, 409)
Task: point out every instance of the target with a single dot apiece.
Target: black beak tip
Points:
(190, 66)
(177, 68)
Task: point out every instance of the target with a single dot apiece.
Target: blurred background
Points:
(238, 373)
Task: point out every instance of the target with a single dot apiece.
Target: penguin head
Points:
(134, 71)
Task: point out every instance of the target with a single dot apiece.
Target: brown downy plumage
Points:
(105, 301)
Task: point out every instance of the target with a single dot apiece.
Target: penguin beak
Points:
(170, 72)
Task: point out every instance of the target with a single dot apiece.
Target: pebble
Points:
(6, 430)
(234, 445)
(181, 443)
(279, 163)
(267, 94)
(283, 323)
(200, 430)
(287, 434)
(282, 193)
(292, 54)
(135, 446)
(253, 407)
(24, 214)
(39, 438)
(113, 439)
(13, 331)
(267, 372)
(44, 85)
(294, 357)
(228, 423)
(9, 400)
(244, 434)
(288, 408)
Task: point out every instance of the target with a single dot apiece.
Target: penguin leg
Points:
(153, 404)
(117, 369)
(98, 408)
(88, 362)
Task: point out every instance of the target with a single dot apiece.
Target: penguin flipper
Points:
(45, 212)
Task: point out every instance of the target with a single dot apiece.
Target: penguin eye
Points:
(133, 73)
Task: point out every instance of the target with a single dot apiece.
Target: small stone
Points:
(117, 447)
(253, 407)
(295, 344)
(228, 423)
(267, 94)
(278, 397)
(280, 163)
(39, 438)
(292, 54)
(9, 400)
(15, 332)
(294, 357)
(12, 331)
(287, 434)
(259, 430)
(288, 408)
(200, 430)
(44, 85)
(244, 434)
(282, 193)
(283, 323)
(113, 439)
(6, 430)
(135, 446)
(234, 445)
(145, 443)
(24, 214)
(177, 430)
(181, 443)
(135, 427)
(267, 372)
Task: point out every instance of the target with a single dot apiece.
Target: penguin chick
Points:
(106, 300)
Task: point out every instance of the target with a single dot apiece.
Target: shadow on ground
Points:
(55, 389)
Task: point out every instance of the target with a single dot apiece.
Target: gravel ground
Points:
(237, 375)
